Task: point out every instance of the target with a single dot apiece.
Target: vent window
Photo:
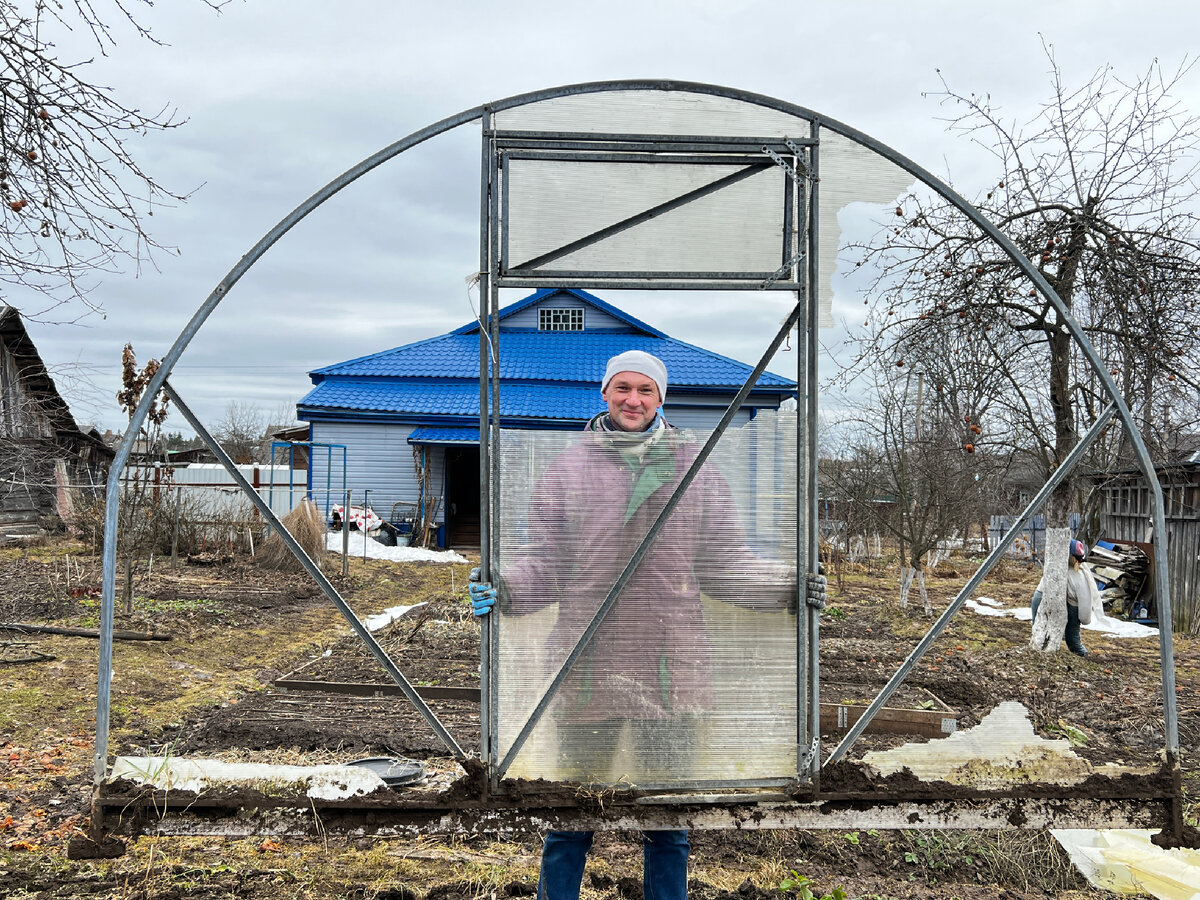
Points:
(560, 320)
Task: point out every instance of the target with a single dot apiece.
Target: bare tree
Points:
(912, 474)
(240, 433)
(74, 196)
(1098, 190)
(143, 517)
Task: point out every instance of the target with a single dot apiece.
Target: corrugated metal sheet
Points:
(444, 436)
(544, 401)
(574, 357)
(209, 490)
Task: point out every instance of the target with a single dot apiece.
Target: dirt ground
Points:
(234, 629)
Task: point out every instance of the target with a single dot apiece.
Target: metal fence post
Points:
(175, 528)
(346, 536)
(366, 506)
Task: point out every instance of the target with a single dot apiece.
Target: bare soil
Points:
(235, 630)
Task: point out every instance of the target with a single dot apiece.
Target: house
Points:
(46, 459)
(403, 424)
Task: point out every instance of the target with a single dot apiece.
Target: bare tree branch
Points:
(74, 197)
(1098, 189)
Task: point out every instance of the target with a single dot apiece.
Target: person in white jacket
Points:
(1082, 593)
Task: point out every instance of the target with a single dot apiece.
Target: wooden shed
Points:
(1124, 515)
(46, 459)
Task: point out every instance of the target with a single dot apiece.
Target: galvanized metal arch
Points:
(222, 289)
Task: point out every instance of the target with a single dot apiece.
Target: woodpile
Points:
(1122, 571)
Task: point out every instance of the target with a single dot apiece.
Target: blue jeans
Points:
(1071, 633)
(664, 864)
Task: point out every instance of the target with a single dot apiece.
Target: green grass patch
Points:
(21, 704)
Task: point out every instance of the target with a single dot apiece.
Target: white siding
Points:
(379, 459)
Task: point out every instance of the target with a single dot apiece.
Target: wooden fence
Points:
(1125, 516)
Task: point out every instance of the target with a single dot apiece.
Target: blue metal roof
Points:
(444, 436)
(551, 356)
(544, 374)
(543, 401)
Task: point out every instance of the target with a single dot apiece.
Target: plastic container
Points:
(396, 771)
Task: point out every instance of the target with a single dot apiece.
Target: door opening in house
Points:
(462, 498)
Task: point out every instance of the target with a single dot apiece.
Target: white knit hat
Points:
(641, 362)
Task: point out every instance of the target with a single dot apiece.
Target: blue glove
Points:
(483, 598)
(483, 595)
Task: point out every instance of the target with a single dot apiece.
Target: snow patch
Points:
(388, 616)
(1107, 626)
(376, 550)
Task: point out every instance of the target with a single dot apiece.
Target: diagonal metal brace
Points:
(315, 571)
(973, 582)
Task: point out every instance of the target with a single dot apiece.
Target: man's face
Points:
(633, 400)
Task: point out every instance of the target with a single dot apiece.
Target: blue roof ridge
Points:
(542, 293)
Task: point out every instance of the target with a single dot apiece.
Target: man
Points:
(647, 668)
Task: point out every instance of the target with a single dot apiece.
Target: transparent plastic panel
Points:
(850, 173)
(652, 112)
(691, 677)
(736, 229)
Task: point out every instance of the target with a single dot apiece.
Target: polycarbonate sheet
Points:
(691, 678)
(652, 112)
(850, 173)
(736, 229)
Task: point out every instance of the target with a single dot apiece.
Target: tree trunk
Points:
(906, 580)
(1059, 341)
(1050, 623)
(925, 604)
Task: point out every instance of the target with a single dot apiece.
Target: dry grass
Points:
(1030, 860)
(305, 525)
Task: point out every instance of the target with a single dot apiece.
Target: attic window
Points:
(560, 319)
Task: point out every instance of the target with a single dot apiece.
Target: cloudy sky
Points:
(281, 96)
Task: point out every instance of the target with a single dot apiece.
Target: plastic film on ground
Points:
(691, 676)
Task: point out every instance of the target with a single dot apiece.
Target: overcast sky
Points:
(281, 96)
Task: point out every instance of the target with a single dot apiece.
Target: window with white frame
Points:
(560, 319)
